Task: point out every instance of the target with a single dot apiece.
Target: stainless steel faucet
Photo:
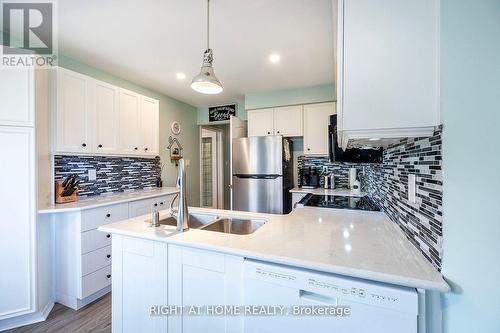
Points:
(182, 212)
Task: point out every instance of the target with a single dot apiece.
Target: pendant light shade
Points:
(206, 82)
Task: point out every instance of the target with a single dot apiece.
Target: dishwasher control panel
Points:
(332, 285)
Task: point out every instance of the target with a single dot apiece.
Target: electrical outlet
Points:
(92, 174)
(411, 188)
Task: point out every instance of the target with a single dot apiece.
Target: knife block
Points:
(59, 190)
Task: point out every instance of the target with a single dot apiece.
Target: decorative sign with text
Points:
(221, 113)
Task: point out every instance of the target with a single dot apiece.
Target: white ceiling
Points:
(148, 42)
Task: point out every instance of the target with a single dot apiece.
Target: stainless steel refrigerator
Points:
(262, 174)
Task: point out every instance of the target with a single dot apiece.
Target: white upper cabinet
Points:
(16, 97)
(94, 117)
(72, 113)
(150, 113)
(388, 76)
(316, 121)
(288, 121)
(129, 121)
(260, 122)
(106, 106)
(285, 121)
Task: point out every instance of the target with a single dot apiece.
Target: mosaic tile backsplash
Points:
(387, 185)
(114, 174)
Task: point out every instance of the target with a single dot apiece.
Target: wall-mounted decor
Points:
(175, 148)
(175, 127)
(222, 112)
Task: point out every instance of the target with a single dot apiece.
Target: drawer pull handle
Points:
(108, 276)
(108, 215)
(108, 236)
(161, 203)
(108, 256)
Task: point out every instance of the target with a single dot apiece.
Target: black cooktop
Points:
(341, 202)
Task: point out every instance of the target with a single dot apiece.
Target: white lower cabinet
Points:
(84, 254)
(203, 278)
(140, 282)
(17, 222)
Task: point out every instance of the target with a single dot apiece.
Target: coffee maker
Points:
(309, 178)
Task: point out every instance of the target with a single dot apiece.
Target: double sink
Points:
(228, 225)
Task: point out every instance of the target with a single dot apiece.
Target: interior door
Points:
(106, 118)
(129, 122)
(209, 168)
(150, 112)
(237, 129)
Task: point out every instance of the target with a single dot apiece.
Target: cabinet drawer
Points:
(96, 281)
(94, 239)
(94, 218)
(95, 260)
(143, 207)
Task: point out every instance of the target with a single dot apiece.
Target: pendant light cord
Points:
(208, 24)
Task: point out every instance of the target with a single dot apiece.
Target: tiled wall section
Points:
(114, 174)
(387, 185)
(341, 170)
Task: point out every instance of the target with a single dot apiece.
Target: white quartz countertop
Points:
(359, 244)
(323, 191)
(106, 200)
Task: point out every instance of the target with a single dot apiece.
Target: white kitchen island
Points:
(318, 256)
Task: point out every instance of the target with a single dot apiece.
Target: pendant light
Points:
(206, 82)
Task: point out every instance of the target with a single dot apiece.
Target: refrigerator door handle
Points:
(258, 176)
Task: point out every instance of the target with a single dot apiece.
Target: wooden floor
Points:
(95, 318)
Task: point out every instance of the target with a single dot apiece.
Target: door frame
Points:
(217, 169)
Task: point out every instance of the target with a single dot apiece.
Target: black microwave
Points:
(353, 155)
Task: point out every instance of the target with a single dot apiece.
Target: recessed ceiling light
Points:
(180, 76)
(274, 58)
(374, 139)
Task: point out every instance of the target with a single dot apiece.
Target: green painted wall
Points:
(170, 110)
(303, 95)
(470, 109)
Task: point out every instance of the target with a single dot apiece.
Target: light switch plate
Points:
(92, 174)
(411, 188)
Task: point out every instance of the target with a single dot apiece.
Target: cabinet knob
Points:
(268, 132)
(108, 215)
(108, 236)
(145, 148)
(308, 149)
(108, 276)
(136, 148)
(108, 256)
(99, 146)
(278, 132)
(84, 145)
(161, 203)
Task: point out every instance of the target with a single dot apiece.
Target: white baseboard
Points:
(28, 319)
(76, 304)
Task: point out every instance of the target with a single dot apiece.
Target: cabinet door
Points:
(129, 122)
(139, 274)
(288, 121)
(198, 277)
(389, 79)
(16, 97)
(17, 222)
(106, 116)
(316, 121)
(72, 130)
(260, 122)
(150, 113)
